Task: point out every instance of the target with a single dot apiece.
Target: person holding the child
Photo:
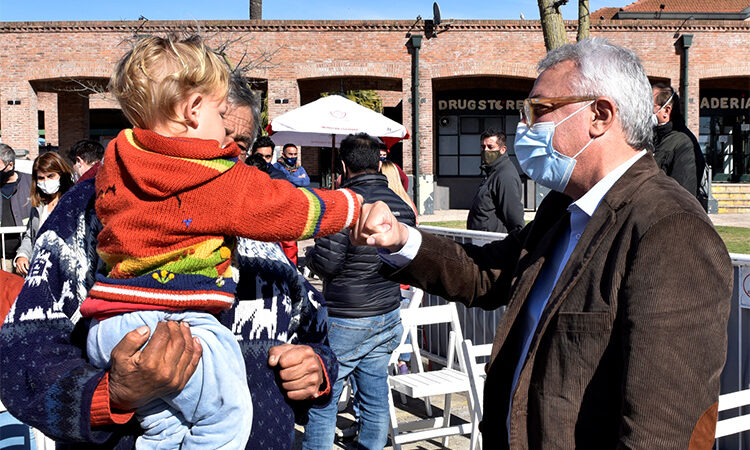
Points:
(161, 193)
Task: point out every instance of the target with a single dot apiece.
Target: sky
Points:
(49, 10)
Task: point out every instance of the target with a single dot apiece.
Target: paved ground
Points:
(413, 409)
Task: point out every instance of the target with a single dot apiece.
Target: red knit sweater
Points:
(167, 205)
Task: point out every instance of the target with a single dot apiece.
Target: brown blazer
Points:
(629, 349)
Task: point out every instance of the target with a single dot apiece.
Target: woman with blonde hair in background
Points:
(51, 177)
(388, 168)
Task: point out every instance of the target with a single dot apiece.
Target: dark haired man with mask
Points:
(15, 205)
(262, 155)
(85, 154)
(497, 204)
(676, 150)
(289, 164)
(363, 307)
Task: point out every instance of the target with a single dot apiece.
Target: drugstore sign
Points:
(479, 103)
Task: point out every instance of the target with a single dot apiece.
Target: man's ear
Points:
(667, 111)
(79, 160)
(190, 109)
(503, 149)
(604, 116)
(343, 167)
(380, 165)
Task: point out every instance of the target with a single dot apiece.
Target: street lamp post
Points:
(415, 41)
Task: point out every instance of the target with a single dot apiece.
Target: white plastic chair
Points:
(477, 377)
(421, 384)
(735, 424)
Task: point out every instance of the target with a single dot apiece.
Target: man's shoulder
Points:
(374, 187)
(658, 198)
(674, 140)
(505, 170)
(24, 182)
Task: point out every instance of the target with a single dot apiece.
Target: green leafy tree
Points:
(367, 98)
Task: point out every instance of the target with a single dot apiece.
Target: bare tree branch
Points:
(584, 20)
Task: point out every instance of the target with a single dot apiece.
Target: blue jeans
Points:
(363, 347)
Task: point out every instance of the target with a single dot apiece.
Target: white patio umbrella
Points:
(328, 120)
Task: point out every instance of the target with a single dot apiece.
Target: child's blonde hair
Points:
(152, 78)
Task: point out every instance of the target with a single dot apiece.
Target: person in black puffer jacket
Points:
(363, 307)
(676, 150)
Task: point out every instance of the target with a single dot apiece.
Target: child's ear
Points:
(192, 108)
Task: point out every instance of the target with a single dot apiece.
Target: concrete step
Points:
(720, 188)
(734, 202)
(731, 196)
(734, 209)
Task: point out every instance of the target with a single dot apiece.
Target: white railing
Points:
(4, 231)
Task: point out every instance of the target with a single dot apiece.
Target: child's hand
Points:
(300, 370)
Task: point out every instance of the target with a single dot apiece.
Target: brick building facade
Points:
(489, 65)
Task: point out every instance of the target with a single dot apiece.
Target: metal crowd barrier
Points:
(3, 232)
(479, 326)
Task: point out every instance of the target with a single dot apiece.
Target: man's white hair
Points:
(615, 72)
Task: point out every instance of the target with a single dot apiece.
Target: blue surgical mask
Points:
(539, 160)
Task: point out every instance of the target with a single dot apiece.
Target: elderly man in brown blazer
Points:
(618, 291)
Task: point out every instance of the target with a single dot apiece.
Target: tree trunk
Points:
(552, 24)
(584, 20)
(256, 9)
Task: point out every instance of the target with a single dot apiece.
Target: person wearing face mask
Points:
(85, 155)
(289, 164)
(497, 204)
(51, 178)
(14, 203)
(676, 150)
(605, 289)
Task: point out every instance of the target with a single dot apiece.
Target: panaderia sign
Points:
(738, 104)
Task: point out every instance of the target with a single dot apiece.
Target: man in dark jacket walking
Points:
(676, 150)
(363, 307)
(15, 204)
(497, 205)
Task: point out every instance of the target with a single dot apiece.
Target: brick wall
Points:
(298, 57)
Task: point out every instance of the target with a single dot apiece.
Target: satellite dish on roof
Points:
(436, 13)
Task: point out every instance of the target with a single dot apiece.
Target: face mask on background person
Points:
(291, 161)
(5, 174)
(49, 187)
(488, 156)
(539, 160)
(654, 117)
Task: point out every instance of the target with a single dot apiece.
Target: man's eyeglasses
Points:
(538, 106)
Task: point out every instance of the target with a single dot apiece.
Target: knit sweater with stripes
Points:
(170, 207)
